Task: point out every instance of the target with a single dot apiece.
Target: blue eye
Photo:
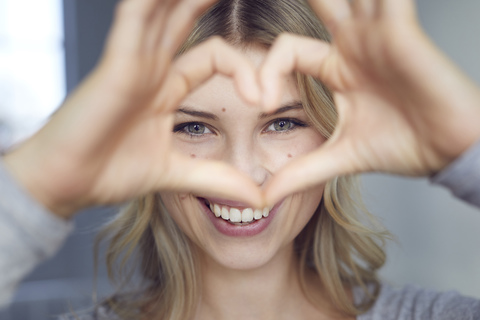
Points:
(284, 125)
(196, 128)
(192, 129)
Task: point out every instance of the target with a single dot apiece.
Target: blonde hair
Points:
(341, 243)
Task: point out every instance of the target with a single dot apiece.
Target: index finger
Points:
(331, 12)
(291, 53)
(198, 65)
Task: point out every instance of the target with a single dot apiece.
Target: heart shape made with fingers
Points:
(361, 95)
(127, 150)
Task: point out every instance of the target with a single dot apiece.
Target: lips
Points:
(237, 219)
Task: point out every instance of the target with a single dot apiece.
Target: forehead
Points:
(219, 91)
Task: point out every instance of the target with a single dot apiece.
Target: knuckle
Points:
(284, 39)
(199, 6)
(216, 41)
(215, 45)
(185, 80)
(122, 7)
(128, 8)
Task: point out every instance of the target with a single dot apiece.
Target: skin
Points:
(260, 271)
(112, 139)
(104, 128)
(404, 108)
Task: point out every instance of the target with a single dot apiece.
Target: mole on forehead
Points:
(223, 109)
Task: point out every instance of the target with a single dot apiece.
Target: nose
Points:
(247, 157)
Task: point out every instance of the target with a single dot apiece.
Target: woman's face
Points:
(215, 123)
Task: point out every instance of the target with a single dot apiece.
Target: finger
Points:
(201, 63)
(332, 13)
(128, 32)
(338, 156)
(307, 172)
(364, 8)
(169, 28)
(290, 53)
(180, 22)
(209, 178)
(397, 9)
(156, 27)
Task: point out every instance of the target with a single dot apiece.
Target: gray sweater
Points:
(29, 234)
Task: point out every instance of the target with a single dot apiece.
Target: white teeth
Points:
(225, 213)
(235, 215)
(265, 212)
(247, 215)
(258, 214)
(217, 210)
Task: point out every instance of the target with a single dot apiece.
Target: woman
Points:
(191, 245)
(328, 268)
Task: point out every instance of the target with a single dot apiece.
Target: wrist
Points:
(461, 130)
(29, 177)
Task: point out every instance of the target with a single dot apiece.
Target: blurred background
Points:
(48, 46)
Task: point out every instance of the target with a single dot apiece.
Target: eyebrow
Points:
(195, 113)
(296, 105)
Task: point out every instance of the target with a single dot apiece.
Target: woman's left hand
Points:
(403, 107)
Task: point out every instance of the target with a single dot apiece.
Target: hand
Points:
(110, 141)
(403, 107)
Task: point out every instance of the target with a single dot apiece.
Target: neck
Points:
(271, 291)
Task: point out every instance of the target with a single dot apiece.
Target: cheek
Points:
(298, 213)
(279, 152)
(275, 151)
(173, 204)
(197, 149)
(181, 208)
(307, 203)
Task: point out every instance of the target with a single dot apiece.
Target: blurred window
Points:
(32, 76)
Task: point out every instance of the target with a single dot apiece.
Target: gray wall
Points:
(86, 25)
(438, 239)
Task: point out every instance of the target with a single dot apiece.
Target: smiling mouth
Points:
(235, 215)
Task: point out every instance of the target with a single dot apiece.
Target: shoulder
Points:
(414, 303)
(100, 313)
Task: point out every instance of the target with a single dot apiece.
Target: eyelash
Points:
(182, 128)
(295, 124)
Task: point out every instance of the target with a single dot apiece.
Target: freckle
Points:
(193, 156)
(289, 155)
(223, 109)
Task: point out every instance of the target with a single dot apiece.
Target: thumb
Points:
(213, 179)
(308, 171)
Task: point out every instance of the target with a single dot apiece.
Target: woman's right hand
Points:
(111, 139)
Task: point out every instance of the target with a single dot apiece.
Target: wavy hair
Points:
(342, 243)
